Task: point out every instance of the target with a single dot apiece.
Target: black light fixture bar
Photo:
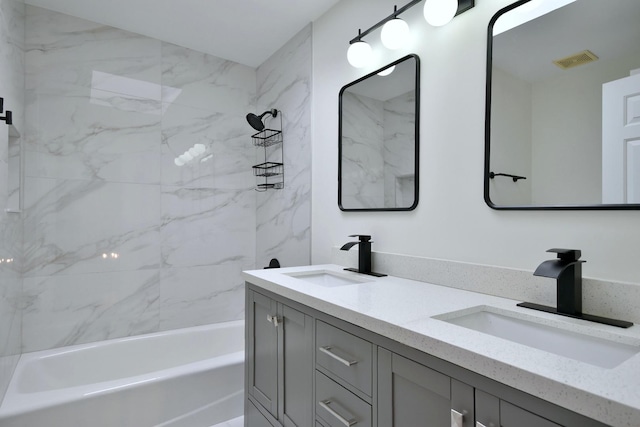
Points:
(463, 6)
(394, 15)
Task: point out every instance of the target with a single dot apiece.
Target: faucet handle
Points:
(362, 237)
(567, 255)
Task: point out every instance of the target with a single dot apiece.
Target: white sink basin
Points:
(604, 352)
(327, 278)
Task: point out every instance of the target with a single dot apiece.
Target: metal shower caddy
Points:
(271, 170)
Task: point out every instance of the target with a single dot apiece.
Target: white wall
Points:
(452, 221)
(510, 139)
(567, 123)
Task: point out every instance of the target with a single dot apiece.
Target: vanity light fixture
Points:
(387, 71)
(440, 12)
(359, 53)
(395, 31)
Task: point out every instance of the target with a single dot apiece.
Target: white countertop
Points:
(403, 310)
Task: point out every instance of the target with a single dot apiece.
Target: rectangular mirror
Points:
(378, 139)
(563, 105)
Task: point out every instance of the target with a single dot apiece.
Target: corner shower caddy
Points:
(270, 172)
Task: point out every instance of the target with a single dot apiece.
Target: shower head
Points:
(256, 121)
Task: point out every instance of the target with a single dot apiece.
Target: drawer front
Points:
(345, 355)
(338, 407)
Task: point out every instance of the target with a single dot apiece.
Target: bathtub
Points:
(182, 378)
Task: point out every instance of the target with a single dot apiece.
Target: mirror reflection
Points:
(564, 105)
(378, 144)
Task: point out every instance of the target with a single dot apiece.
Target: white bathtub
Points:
(182, 378)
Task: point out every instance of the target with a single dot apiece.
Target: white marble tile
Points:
(362, 151)
(12, 58)
(71, 224)
(12, 90)
(206, 82)
(201, 295)
(63, 51)
(229, 153)
(207, 227)
(15, 167)
(65, 310)
(70, 136)
(4, 166)
(284, 216)
(283, 230)
(109, 111)
(399, 148)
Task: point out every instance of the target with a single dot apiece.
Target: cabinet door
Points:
(494, 412)
(410, 395)
(296, 366)
(263, 352)
(253, 417)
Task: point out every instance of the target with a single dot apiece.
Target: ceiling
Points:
(527, 51)
(244, 31)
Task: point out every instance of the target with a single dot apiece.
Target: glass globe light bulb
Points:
(395, 33)
(359, 54)
(440, 12)
(387, 71)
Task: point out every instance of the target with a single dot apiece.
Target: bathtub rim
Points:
(16, 402)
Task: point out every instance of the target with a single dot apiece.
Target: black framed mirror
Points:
(379, 139)
(563, 105)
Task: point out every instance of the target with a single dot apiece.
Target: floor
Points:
(236, 422)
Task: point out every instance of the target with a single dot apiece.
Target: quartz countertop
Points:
(404, 311)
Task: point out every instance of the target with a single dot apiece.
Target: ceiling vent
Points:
(575, 60)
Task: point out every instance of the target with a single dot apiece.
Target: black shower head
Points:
(256, 121)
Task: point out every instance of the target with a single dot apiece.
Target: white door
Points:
(621, 140)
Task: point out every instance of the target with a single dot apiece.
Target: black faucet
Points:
(364, 255)
(567, 270)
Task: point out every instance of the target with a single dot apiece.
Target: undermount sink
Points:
(327, 278)
(595, 350)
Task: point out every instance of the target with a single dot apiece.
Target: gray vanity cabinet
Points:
(494, 412)
(306, 368)
(409, 394)
(280, 361)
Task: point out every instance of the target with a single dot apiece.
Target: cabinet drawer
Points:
(345, 355)
(338, 407)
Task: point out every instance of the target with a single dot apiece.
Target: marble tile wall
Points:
(11, 89)
(399, 150)
(119, 239)
(377, 151)
(363, 181)
(284, 216)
